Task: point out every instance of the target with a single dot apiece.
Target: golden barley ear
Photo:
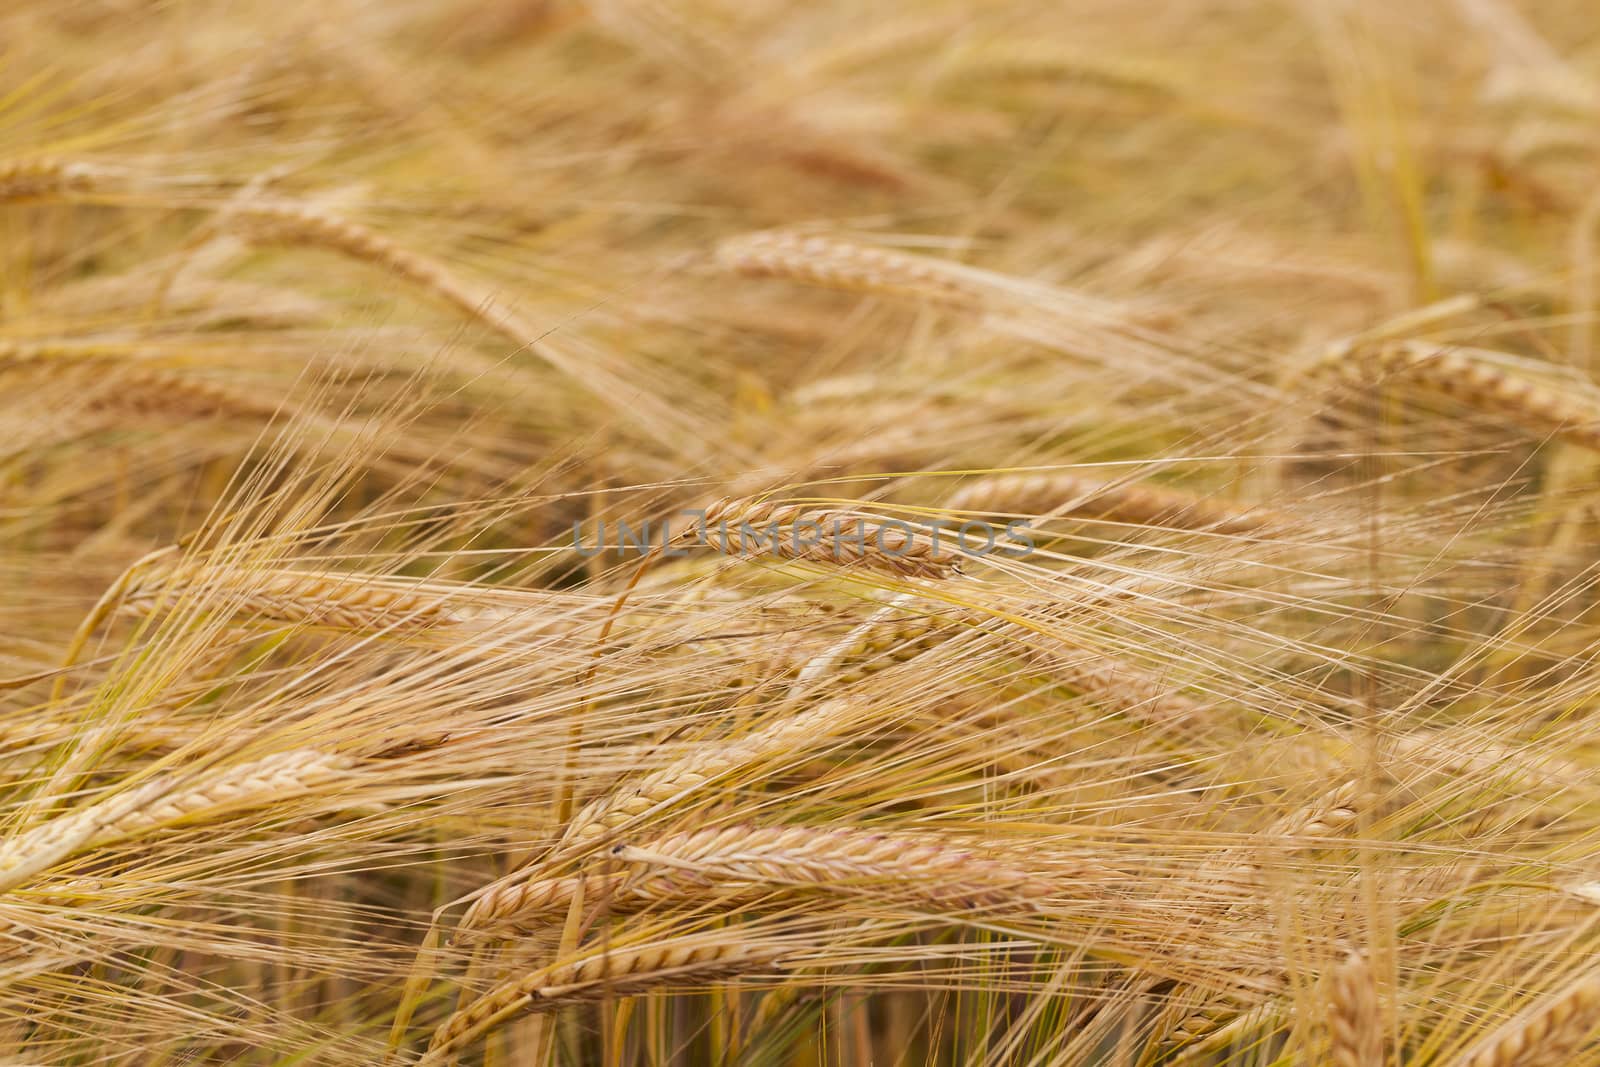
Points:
(742, 862)
(1548, 1033)
(46, 178)
(1486, 381)
(1355, 1019)
(1072, 494)
(834, 536)
(163, 802)
(836, 264)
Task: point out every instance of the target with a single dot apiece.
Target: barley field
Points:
(696, 533)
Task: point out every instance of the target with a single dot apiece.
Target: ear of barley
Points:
(1355, 1023)
(888, 636)
(270, 780)
(786, 737)
(1131, 692)
(1333, 814)
(299, 597)
(836, 264)
(44, 178)
(161, 802)
(513, 904)
(17, 354)
(1546, 1034)
(684, 962)
(1472, 377)
(663, 28)
(314, 228)
(827, 535)
(1202, 1033)
(128, 390)
(1031, 60)
(310, 227)
(327, 598)
(925, 866)
(1074, 494)
(34, 851)
(749, 861)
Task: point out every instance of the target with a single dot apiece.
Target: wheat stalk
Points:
(621, 971)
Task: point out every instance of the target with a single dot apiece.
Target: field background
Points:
(324, 325)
